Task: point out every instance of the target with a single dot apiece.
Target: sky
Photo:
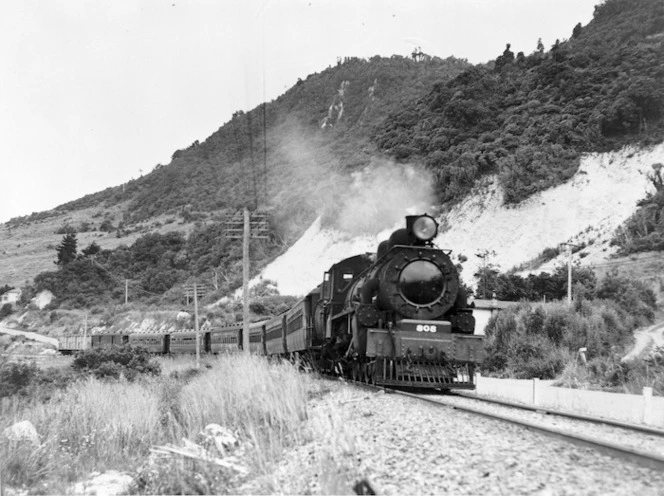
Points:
(95, 93)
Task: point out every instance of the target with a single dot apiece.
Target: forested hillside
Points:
(526, 118)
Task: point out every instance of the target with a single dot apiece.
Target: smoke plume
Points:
(379, 196)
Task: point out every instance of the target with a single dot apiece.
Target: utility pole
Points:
(195, 290)
(253, 226)
(569, 270)
(85, 331)
(245, 280)
(198, 337)
(484, 254)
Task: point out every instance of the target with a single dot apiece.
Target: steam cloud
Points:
(380, 196)
(366, 202)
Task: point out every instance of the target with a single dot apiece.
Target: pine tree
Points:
(66, 249)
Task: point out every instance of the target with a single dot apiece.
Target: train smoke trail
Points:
(380, 195)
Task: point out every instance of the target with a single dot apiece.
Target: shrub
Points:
(15, 377)
(25, 378)
(529, 340)
(112, 361)
(6, 310)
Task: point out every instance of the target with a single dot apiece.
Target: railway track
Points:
(639, 444)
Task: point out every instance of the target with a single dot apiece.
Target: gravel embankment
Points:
(404, 446)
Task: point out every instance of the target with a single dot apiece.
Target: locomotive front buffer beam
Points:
(424, 354)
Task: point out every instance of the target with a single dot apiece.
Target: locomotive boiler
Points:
(399, 317)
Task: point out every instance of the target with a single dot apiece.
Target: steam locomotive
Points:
(398, 317)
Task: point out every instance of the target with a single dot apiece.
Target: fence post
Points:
(478, 379)
(647, 405)
(535, 391)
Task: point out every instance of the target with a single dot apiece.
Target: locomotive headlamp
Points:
(425, 228)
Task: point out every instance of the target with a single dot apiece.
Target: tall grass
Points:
(91, 426)
(101, 425)
(264, 403)
(610, 373)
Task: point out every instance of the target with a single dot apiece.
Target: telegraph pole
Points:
(194, 290)
(245, 280)
(569, 270)
(484, 255)
(252, 226)
(198, 337)
(85, 331)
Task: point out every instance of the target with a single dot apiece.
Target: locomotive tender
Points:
(398, 317)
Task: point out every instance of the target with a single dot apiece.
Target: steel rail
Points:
(639, 457)
(560, 413)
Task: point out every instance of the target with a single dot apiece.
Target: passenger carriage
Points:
(185, 342)
(224, 339)
(153, 342)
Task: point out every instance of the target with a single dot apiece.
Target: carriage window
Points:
(347, 276)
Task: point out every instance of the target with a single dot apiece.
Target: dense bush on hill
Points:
(153, 266)
(644, 230)
(528, 118)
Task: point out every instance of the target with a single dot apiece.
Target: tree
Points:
(540, 45)
(92, 249)
(506, 58)
(66, 249)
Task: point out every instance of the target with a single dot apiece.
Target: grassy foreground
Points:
(98, 425)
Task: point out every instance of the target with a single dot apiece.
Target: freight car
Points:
(398, 317)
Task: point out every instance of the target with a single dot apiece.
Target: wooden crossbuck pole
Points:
(245, 281)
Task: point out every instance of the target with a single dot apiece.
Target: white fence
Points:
(638, 409)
